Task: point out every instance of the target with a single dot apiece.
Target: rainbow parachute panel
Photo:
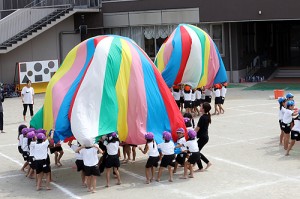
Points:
(189, 56)
(107, 84)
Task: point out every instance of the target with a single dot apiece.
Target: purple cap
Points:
(114, 134)
(24, 131)
(41, 136)
(192, 134)
(40, 131)
(31, 134)
(149, 136)
(186, 119)
(167, 135)
(180, 130)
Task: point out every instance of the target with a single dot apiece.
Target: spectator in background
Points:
(27, 96)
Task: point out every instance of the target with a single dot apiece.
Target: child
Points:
(187, 94)
(194, 156)
(90, 160)
(152, 150)
(25, 148)
(217, 99)
(176, 94)
(58, 152)
(198, 100)
(208, 93)
(168, 160)
(42, 165)
(295, 133)
(189, 123)
(223, 94)
(79, 162)
(31, 160)
(289, 97)
(287, 122)
(193, 100)
(180, 158)
(20, 138)
(282, 109)
(112, 146)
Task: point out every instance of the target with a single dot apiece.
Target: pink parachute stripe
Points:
(168, 49)
(213, 64)
(61, 88)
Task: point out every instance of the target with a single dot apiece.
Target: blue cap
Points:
(281, 99)
(289, 95)
(290, 103)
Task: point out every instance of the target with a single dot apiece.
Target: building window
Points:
(216, 32)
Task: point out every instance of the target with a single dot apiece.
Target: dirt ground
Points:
(243, 148)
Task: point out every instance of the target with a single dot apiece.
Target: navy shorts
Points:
(168, 160)
(42, 166)
(180, 158)
(194, 157)
(295, 135)
(92, 171)
(152, 162)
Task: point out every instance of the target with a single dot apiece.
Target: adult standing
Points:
(1, 111)
(27, 96)
(202, 133)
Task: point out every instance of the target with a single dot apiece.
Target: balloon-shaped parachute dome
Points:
(189, 56)
(108, 84)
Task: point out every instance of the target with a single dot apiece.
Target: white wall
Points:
(43, 47)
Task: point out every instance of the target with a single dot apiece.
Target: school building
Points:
(253, 37)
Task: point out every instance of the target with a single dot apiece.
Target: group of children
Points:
(289, 122)
(191, 99)
(34, 145)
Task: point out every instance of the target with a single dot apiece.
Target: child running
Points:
(194, 154)
(152, 150)
(168, 160)
(295, 133)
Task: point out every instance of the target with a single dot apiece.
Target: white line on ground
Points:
(10, 176)
(5, 145)
(175, 191)
(66, 191)
(254, 111)
(238, 141)
(250, 105)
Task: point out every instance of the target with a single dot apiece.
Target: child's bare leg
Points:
(290, 147)
(24, 166)
(147, 172)
(191, 170)
(175, 167)
(83, 179)
(185, 171)
(286, 140)
(48, 181)
(89, 183)
(170, 174)
(61, 153)
(133, 153)
(55, 157)
(107, 176)
(124, 152)
(94, 182)
(159, 173)
(152, 174)
(39, 182)
(281, 138)
(118, 176)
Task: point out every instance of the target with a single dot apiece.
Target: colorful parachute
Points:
(189, 56)
(106, 84)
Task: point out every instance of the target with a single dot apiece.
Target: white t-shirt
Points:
(181, 92)
(198, 94)
(281, 113)
(223, 91)
(192, 146)
(287, 117)
(296, 126)
(193, 96)
(25, 144)
(41, 150)
(90, 156)
(208, 92)
(153, 151)
(176, 95)
(167, 148)
(187, 96)
(20, 140)
(112, 148)
(31, 148)
(27, 95)
(78, 156)
(217, 93)
(182, 141)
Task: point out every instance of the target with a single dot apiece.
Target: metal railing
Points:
(26, 20)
